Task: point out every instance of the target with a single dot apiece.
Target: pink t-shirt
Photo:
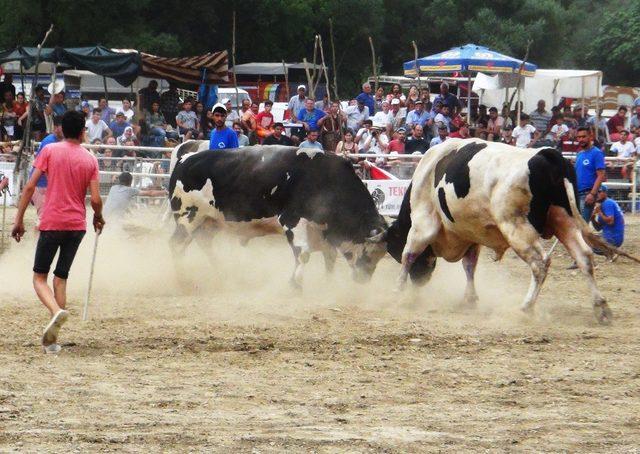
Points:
(69, 169)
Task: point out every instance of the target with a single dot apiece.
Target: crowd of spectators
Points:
(381, 122)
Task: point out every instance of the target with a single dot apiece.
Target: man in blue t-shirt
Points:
(607, 216)
(41, 187)
(590, 171)
(222, 136)
(309, 116)
(367, 98)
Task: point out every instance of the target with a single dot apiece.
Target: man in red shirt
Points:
(397, 144)
(616, 124)
(70, 170)
(462, 132)
(264, 121)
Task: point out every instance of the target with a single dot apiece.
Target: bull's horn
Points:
(377, 237)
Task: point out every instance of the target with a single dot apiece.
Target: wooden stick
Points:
(324, 68)
(333, 57)
(4, 216)
(26, 135)
(93, 264)
(233, 61)
(415, 63)
(306, 70)
(374, 64)
(314, 72)
(286, 80)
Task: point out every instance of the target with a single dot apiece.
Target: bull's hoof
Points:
(527, 309)
(469, 302)
(603, 313)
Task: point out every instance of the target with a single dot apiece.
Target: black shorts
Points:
(49, 243)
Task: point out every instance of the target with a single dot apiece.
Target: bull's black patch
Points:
(176, 203)
(348, 255)
(547, 171)
(442, 198)
(191, 212)
(455, 168)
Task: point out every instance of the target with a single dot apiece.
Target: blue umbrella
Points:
(469, 58)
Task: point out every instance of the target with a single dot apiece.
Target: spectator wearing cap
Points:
(278, 137)
(118, 125)
(265, 121)
(149, 95)
(608, 218)
(296, 103)
(447, 99)
(367, 98)
(222, 136)
(232, 114)
(331, 126)
(397, 115)
(356, 115)
(443, 134)
(309, 116)
(418, 116)
(398, 143)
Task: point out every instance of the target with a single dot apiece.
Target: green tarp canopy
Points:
(124, 67)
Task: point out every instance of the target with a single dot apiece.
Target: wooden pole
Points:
(374, 64)
(106, 91)
(233, 61)
(324, 68)
(314, 71)
(308, 74)
(26, 136)
(286, 80)
(22, 77)
(415, 63)
(333, 57)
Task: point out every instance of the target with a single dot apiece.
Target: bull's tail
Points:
(592, 239)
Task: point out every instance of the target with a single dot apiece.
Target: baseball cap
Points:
(302, 86)
(395, 101)
(442, 126)
(225, 100)
(219, 107)
(401, 130)
(120, 113)
(419, 101)
(603, 188)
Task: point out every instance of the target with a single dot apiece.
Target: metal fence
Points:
(153, 172)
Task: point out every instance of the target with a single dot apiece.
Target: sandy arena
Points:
(240, 363)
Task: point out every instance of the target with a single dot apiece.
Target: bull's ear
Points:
(377, 237)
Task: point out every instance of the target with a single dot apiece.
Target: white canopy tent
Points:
(547, 84)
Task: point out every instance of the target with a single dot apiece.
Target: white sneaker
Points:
(50, 335)
(52, 349)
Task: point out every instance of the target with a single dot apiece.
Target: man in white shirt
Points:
(296, 103)
(443, 118)
(356, 115)
(396, 115)
(96, 128)
(625, 149)
(384, 116)
(524, 134)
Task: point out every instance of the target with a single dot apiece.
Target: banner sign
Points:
(387, 194)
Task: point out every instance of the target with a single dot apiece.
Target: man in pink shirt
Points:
(70, 170)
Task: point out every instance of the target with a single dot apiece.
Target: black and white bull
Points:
(316, 200)
(471, 193)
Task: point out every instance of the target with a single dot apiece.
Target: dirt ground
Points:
(238, 362)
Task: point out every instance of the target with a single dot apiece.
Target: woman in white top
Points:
(126, 110)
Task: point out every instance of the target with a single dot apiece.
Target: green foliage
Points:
(603, 34)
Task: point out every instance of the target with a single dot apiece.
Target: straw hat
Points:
(56, 87)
